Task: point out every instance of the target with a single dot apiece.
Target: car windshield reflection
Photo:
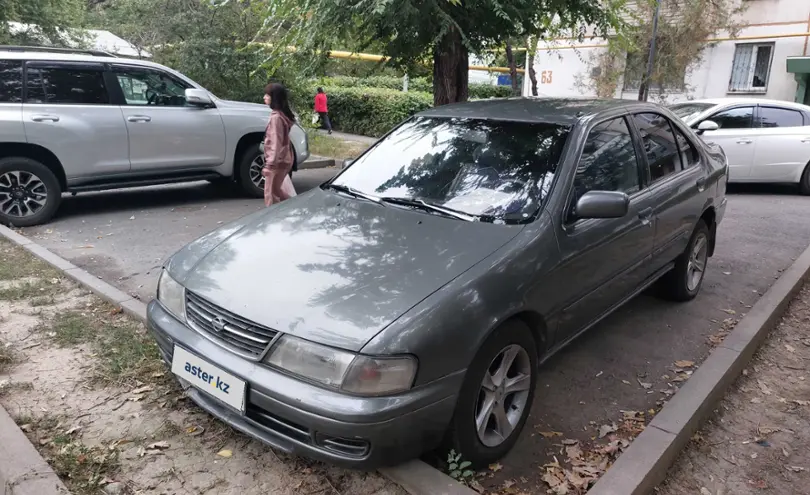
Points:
(498, 171)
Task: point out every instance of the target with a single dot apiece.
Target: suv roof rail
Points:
(53, 49)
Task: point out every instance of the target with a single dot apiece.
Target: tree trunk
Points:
(450, 70)
(532, 52)
(510, 60)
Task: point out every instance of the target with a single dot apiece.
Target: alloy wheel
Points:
(22, 194)
(696, 267)
(256, 167)
(503, 395)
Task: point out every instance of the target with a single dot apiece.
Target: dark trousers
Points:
(325, 121)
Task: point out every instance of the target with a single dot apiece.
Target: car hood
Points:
(332, 269)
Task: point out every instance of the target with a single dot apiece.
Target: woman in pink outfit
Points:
(278, 154)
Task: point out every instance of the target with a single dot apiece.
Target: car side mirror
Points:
(198, 98)
(602, 204)
(707, 125)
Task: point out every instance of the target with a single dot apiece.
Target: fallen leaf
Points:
(790, 348)
(26, 427)
(758, 484)
(684, 364)
(159, 445)
(644, 385)
(730, 311)
(763, 388)
(495, 467)
(796, 469)
(756, 400)
(705, 491)
(606, 430)
(556, 482)
(568, 441)
(573, 452)
(225, 453)
(140, 390)
(626, 382)
(73, 430)
(550, 434)
(801, 402)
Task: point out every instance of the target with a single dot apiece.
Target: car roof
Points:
(562, 111)
(751, 101)
(71, 56)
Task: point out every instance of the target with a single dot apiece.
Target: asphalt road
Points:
(124, 237)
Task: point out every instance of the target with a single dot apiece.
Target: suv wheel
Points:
(496, 396)
(29, 192)
(684, 281)
(250, 171)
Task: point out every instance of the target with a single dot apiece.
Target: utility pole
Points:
(644, 89)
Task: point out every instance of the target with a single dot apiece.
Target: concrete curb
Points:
(415, 477)
(318, 162)
(645, 463)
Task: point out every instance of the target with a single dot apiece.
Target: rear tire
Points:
(684, 281)
(804, 184)
(29, 192)
(250, 165)
(475, 434)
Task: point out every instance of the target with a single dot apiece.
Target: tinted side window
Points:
(11, 81)
(689, 154)
(608, 161)
(659, 143)
(735, 118)
(77, 86)
(779, 117)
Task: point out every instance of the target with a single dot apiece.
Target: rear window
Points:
(688, 111)
(11, 81)
(78, 86)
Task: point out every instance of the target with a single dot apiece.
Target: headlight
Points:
(172, 295)
(361, 375)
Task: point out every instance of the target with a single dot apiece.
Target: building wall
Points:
(565, 62)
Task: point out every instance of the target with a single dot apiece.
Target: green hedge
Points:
(372, 111)
(477, 90)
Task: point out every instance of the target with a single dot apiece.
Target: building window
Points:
(751, 68)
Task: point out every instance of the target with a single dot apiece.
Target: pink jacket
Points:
(278, 153)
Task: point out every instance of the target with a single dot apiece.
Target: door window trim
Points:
(758, 116)
(754, 113)
(643, 175)
(114, 67)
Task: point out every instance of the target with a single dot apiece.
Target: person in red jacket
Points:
(322, 109)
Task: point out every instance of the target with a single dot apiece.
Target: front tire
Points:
(684, 281)
(29, 192)
(250, 176)
(496, 397)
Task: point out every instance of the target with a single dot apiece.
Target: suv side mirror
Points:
(707, 125)
(198, 98)
(602, 204)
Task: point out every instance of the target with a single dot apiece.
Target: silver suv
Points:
(74, 121)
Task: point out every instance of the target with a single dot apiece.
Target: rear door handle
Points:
(744, 141)
(701, 184)
(645, 215)
(139, 118)
(45, 118)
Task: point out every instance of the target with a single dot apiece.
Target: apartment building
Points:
(769, 57)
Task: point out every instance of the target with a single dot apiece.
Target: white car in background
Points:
(766, 141)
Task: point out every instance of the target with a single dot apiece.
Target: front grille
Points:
(226, 327)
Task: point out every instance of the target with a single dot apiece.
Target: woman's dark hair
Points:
(320, 90)
(279, 99)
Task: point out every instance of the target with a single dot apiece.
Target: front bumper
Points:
(297, 417)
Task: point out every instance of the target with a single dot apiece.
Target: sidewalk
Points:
(350, 137)
(758, 440)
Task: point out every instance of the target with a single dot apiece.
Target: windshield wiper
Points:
(421, 203)
(354, 192)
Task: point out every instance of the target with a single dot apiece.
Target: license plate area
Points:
(209, 379)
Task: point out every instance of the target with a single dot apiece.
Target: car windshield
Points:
(498, 171)
(688, 111)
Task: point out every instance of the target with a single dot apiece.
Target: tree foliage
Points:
(683, 28)
(46, 21)
(414, 32)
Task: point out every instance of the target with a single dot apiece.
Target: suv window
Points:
(608, 161)
(689, 154)
(734, 118)
(659, 144)
(66, 85)
(11, 81)
(151, 87)
(779, 117)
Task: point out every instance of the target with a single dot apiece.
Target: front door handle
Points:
(45, 118)
(806, 140)
(645, 216)
(744, 141)
(701, 183)
(139, 118)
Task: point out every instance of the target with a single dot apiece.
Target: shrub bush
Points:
(477, 90)
(371, 111)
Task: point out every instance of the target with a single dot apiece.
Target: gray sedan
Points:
(407, 303)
